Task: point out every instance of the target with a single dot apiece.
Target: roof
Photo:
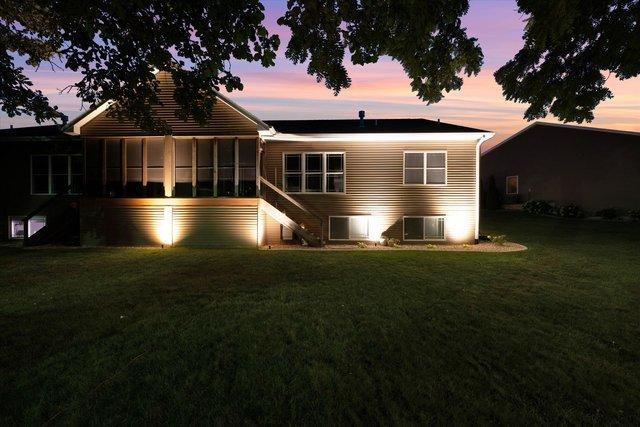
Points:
(370, 126)
(46, 133)
(561, 126)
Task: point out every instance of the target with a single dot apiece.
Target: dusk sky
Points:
(287, 92)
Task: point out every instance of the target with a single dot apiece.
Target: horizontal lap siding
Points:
(225, 120)
(216, 226)
(150, 225)
(374, 184)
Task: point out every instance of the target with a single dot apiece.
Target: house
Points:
(241, 181)
(592, 168)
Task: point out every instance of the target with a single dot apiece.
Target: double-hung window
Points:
(425, 167)
(55, 173)
(423, 227)
(314, 172)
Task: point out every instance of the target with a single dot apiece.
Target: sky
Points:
(286, 91)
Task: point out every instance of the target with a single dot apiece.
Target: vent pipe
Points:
(361, 115)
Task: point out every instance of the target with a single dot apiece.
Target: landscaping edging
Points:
(480, 247)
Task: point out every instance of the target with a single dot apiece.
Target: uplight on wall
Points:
(459, 227)
(164, 227)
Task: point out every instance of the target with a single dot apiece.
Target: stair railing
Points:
(36, 211)
(297, 204)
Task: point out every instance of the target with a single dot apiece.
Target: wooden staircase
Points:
(283, 219)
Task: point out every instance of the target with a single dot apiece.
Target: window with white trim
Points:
(423, 227)
(349, 227)
(425, 167)
(313, 172)
(16, 226)
(54, 173)
(512, 185)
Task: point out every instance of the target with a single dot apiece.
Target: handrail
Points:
(36, 211)
(297, 204)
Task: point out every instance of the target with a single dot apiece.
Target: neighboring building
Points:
(592, 168)
(240, 181)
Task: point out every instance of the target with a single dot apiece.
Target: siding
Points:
(225, 120)
(374, 186)
(181, 222)
(593, 169)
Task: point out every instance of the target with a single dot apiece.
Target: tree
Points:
(116, 44)
(570, 49)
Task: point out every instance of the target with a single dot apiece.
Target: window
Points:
(314, 172)
(226, 167)
(204, 175)
(247, 168)
(425, 167)
(155, 168)
(423, 227)
(55, 173)
(512, 184)
(16, 226)
(348, 227)
(183, 160)
(134, 168)
(286, 233)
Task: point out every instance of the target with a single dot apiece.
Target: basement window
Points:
(16, 226)
(348, 228)
(423, 228)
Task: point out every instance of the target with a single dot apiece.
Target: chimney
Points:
(438, 119)
(361, 115)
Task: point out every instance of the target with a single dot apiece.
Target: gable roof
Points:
(370, 126)
(562, 126)
(75, 125)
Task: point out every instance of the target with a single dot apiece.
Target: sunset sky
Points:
(287, 92)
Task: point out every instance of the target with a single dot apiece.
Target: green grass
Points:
(549, 335)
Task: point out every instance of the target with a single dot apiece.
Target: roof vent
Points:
(361, 115)
(10, 126)
(438, 119)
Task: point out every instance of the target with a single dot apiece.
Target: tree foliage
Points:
(425, 37)
(116, 44)
(570, 49)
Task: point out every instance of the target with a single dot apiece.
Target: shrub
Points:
(391, 242)
(608, 213)
(571, 211)
(499, 240)
(362, 245)
(430, 246)
(634, 214)
(538, 207)
(492, 197)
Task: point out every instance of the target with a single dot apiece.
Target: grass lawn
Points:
(549, 335)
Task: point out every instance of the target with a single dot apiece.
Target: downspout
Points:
(478, 145)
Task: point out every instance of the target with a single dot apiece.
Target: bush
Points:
(634, 214)
(362, 245)
(538, 207)
(492, 197)
(608, 213)
(571, 211)
(499, 240)
(391, 242)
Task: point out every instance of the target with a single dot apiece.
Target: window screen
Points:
(358, 227)
(247, 168)
(414, 228)
(226, 167)
(183, 160)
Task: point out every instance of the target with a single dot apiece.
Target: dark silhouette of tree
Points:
(117, 44)
(570, 49)
(492, 197)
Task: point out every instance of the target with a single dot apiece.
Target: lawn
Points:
(548, 335)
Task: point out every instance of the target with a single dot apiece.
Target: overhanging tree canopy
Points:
(571, 47)
(117, 43)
